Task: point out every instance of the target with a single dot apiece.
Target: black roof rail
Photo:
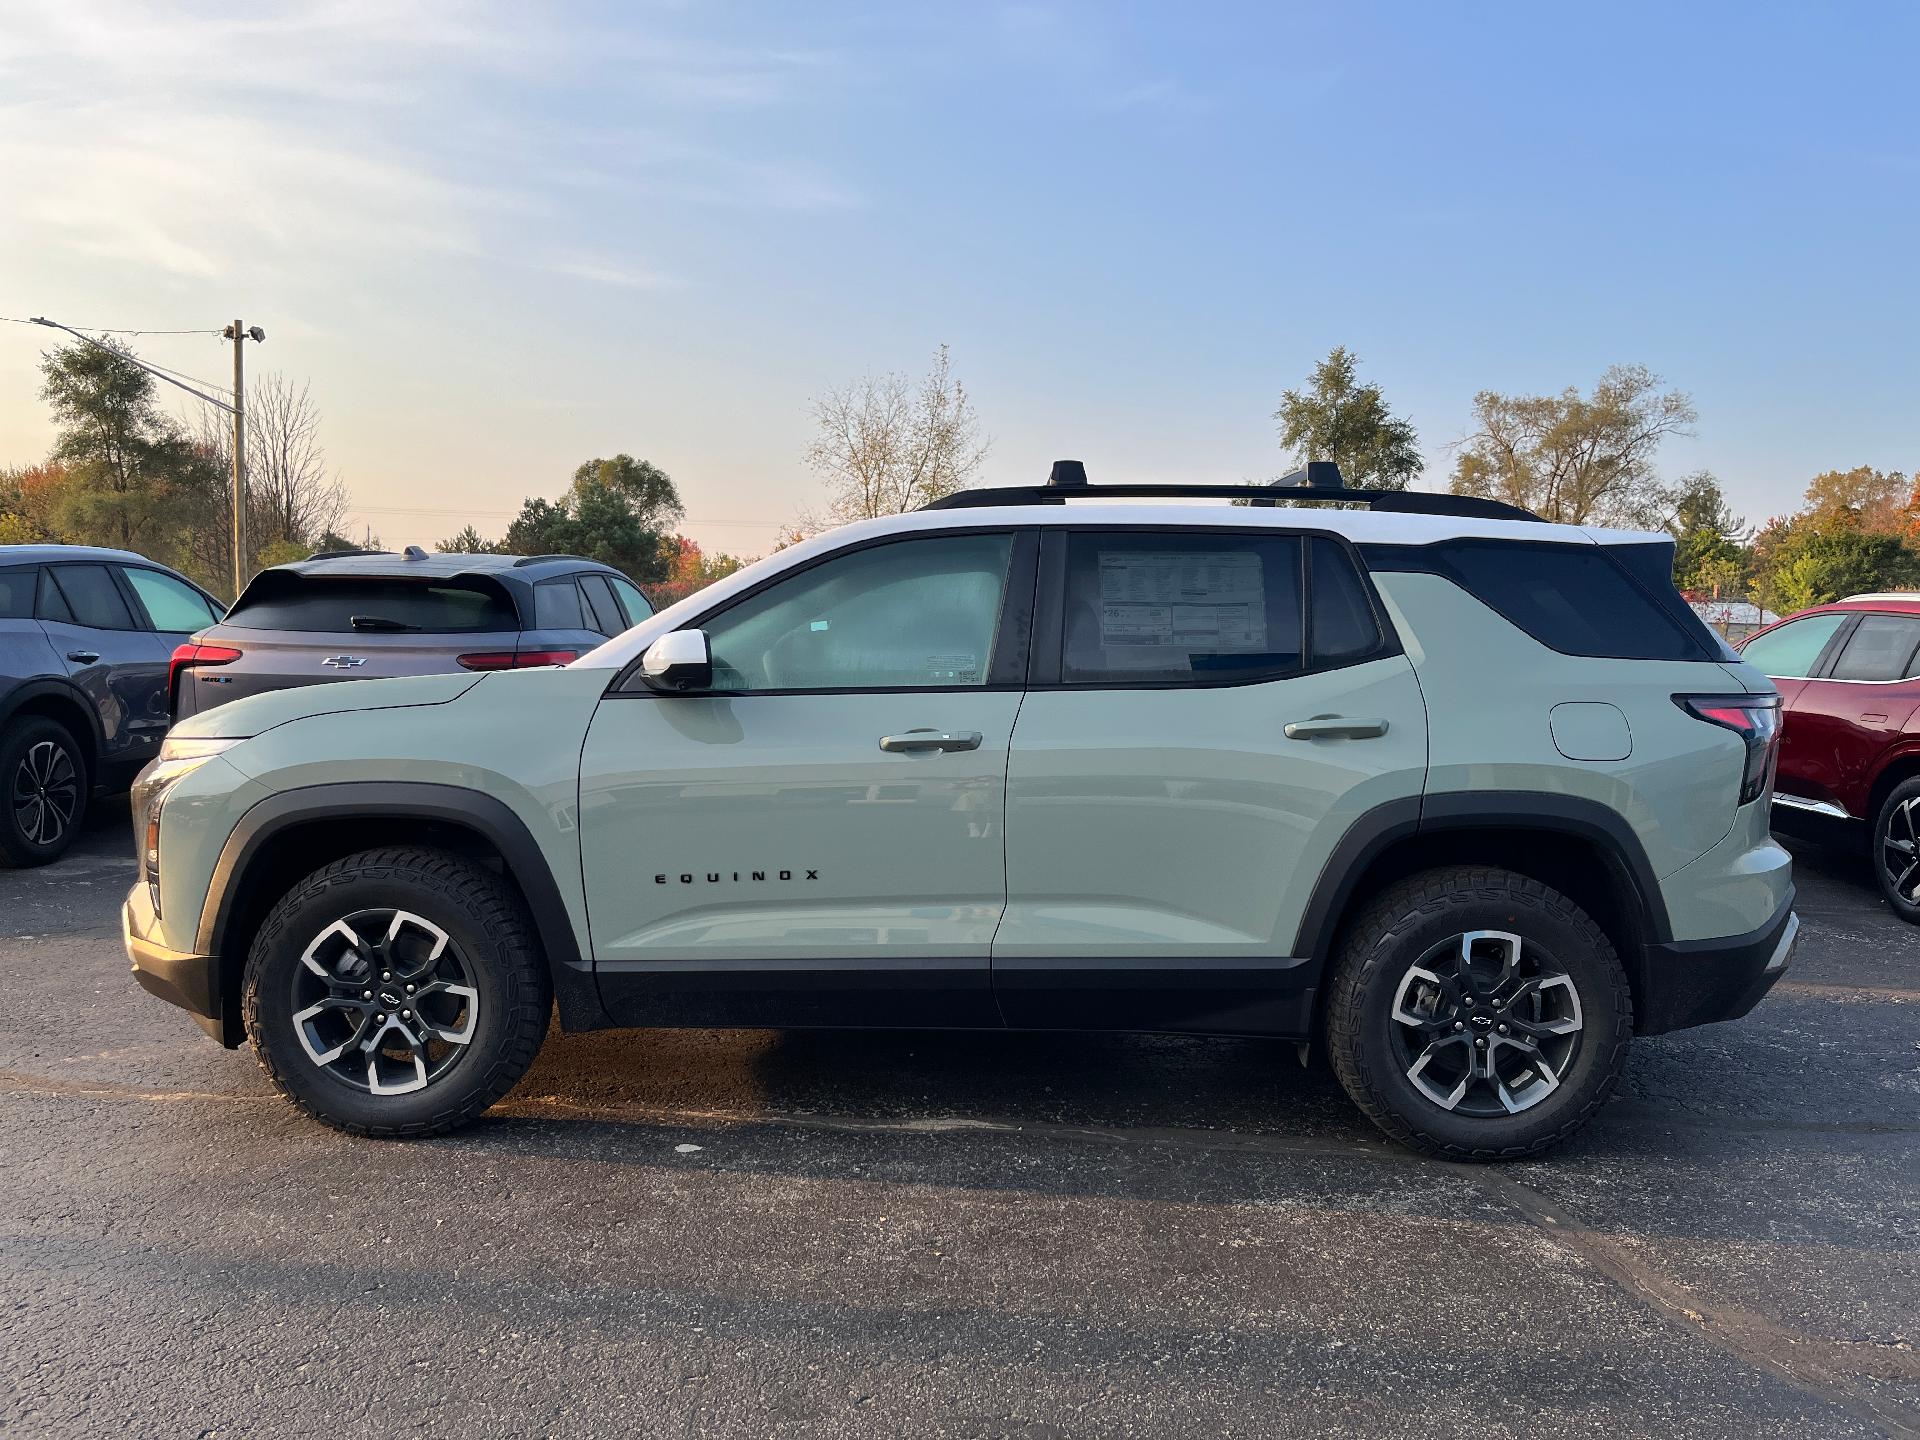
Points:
(538, 559)
(343, 554)
(1319, 481)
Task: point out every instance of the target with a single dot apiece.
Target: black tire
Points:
(489, 944)
(1562, 1080)
(44, 786)
(1893, 842)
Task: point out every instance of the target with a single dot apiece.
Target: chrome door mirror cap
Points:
(680, 660)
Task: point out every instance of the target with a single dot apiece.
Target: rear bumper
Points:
(180, 978)
(1696, 982)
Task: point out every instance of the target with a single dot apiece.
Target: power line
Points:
(132, 360)
(113, 330)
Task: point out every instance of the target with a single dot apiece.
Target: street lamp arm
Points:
(158, 375)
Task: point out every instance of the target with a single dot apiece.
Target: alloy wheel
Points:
(1485, 1025)
(1900, 850)
(383, 1001)
(46, 793)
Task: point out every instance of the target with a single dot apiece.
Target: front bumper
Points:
(180, 978)
(1696, 982)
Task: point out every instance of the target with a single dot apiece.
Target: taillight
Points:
(1756, 720)
(515, 660)
(190, 655)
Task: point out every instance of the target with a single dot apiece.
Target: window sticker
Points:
(957, 669)
(1211, 601)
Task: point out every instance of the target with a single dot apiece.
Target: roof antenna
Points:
(1067, 473)
(1314, 475)
(414, 552)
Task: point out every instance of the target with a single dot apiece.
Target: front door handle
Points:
(919, 741)
(83, 657)
(1335, 727)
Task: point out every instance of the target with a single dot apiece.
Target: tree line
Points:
(125, 473)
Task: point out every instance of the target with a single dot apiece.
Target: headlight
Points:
(177, 759)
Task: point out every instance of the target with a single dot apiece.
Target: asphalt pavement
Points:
(754, 1234)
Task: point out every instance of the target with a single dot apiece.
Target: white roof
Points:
(1360, 526)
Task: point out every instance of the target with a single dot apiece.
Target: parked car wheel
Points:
(1478, 1015)
(1896, 849)
(397, 992)
(46, 787)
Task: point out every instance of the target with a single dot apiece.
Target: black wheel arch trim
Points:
(64, 690)
(1375, 831)
(492, 819)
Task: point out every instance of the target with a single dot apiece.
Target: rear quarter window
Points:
(325, 604)
(1572, 598)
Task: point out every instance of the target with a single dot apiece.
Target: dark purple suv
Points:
(360, 615)
(85, 637)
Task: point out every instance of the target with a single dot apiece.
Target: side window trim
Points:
(1012, 640)
(1823, 663)
(1050, 608)
(1836, 646)
(130, 597)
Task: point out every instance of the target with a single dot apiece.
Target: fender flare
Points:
(65, 690)
(574, 986)
(1375, 831)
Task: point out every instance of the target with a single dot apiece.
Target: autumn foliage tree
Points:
(1577, 459)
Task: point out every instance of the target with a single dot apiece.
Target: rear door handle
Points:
(1335, 727)
(83, 657)
(918, 741)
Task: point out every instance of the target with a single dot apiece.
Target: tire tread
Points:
(1365, 948)
(525, 983)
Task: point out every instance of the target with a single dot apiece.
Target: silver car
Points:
(363, 615)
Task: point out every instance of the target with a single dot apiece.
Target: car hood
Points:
(243, 719)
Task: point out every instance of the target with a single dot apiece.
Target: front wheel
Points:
(397, 992)
(1478, 1015)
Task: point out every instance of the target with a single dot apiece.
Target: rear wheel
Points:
(43, 791)
(1896, 849)
(397, 992)
(1477, 1014)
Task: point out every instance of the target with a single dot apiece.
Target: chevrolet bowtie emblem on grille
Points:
(344, 662)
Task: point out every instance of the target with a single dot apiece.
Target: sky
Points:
(498, 240)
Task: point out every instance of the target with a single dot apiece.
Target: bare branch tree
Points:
(885, 445)
(292, 494)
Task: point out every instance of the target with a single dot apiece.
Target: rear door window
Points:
(557, 606)
(50, 604)
(606, 610)
(324, 604)
(1180, 609)
(16, 592)
(1880, 648)
(173, 605)
(1790, 651)
(92, 597)
(1340, 616)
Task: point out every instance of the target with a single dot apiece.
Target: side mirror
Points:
(678, 660)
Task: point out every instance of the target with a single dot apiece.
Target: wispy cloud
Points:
(601, 270)
(292, 140)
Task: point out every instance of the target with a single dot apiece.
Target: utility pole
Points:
(239, 335)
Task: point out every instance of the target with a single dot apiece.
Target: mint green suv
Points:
(1465, 798)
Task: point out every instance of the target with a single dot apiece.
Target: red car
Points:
(1849, 678)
